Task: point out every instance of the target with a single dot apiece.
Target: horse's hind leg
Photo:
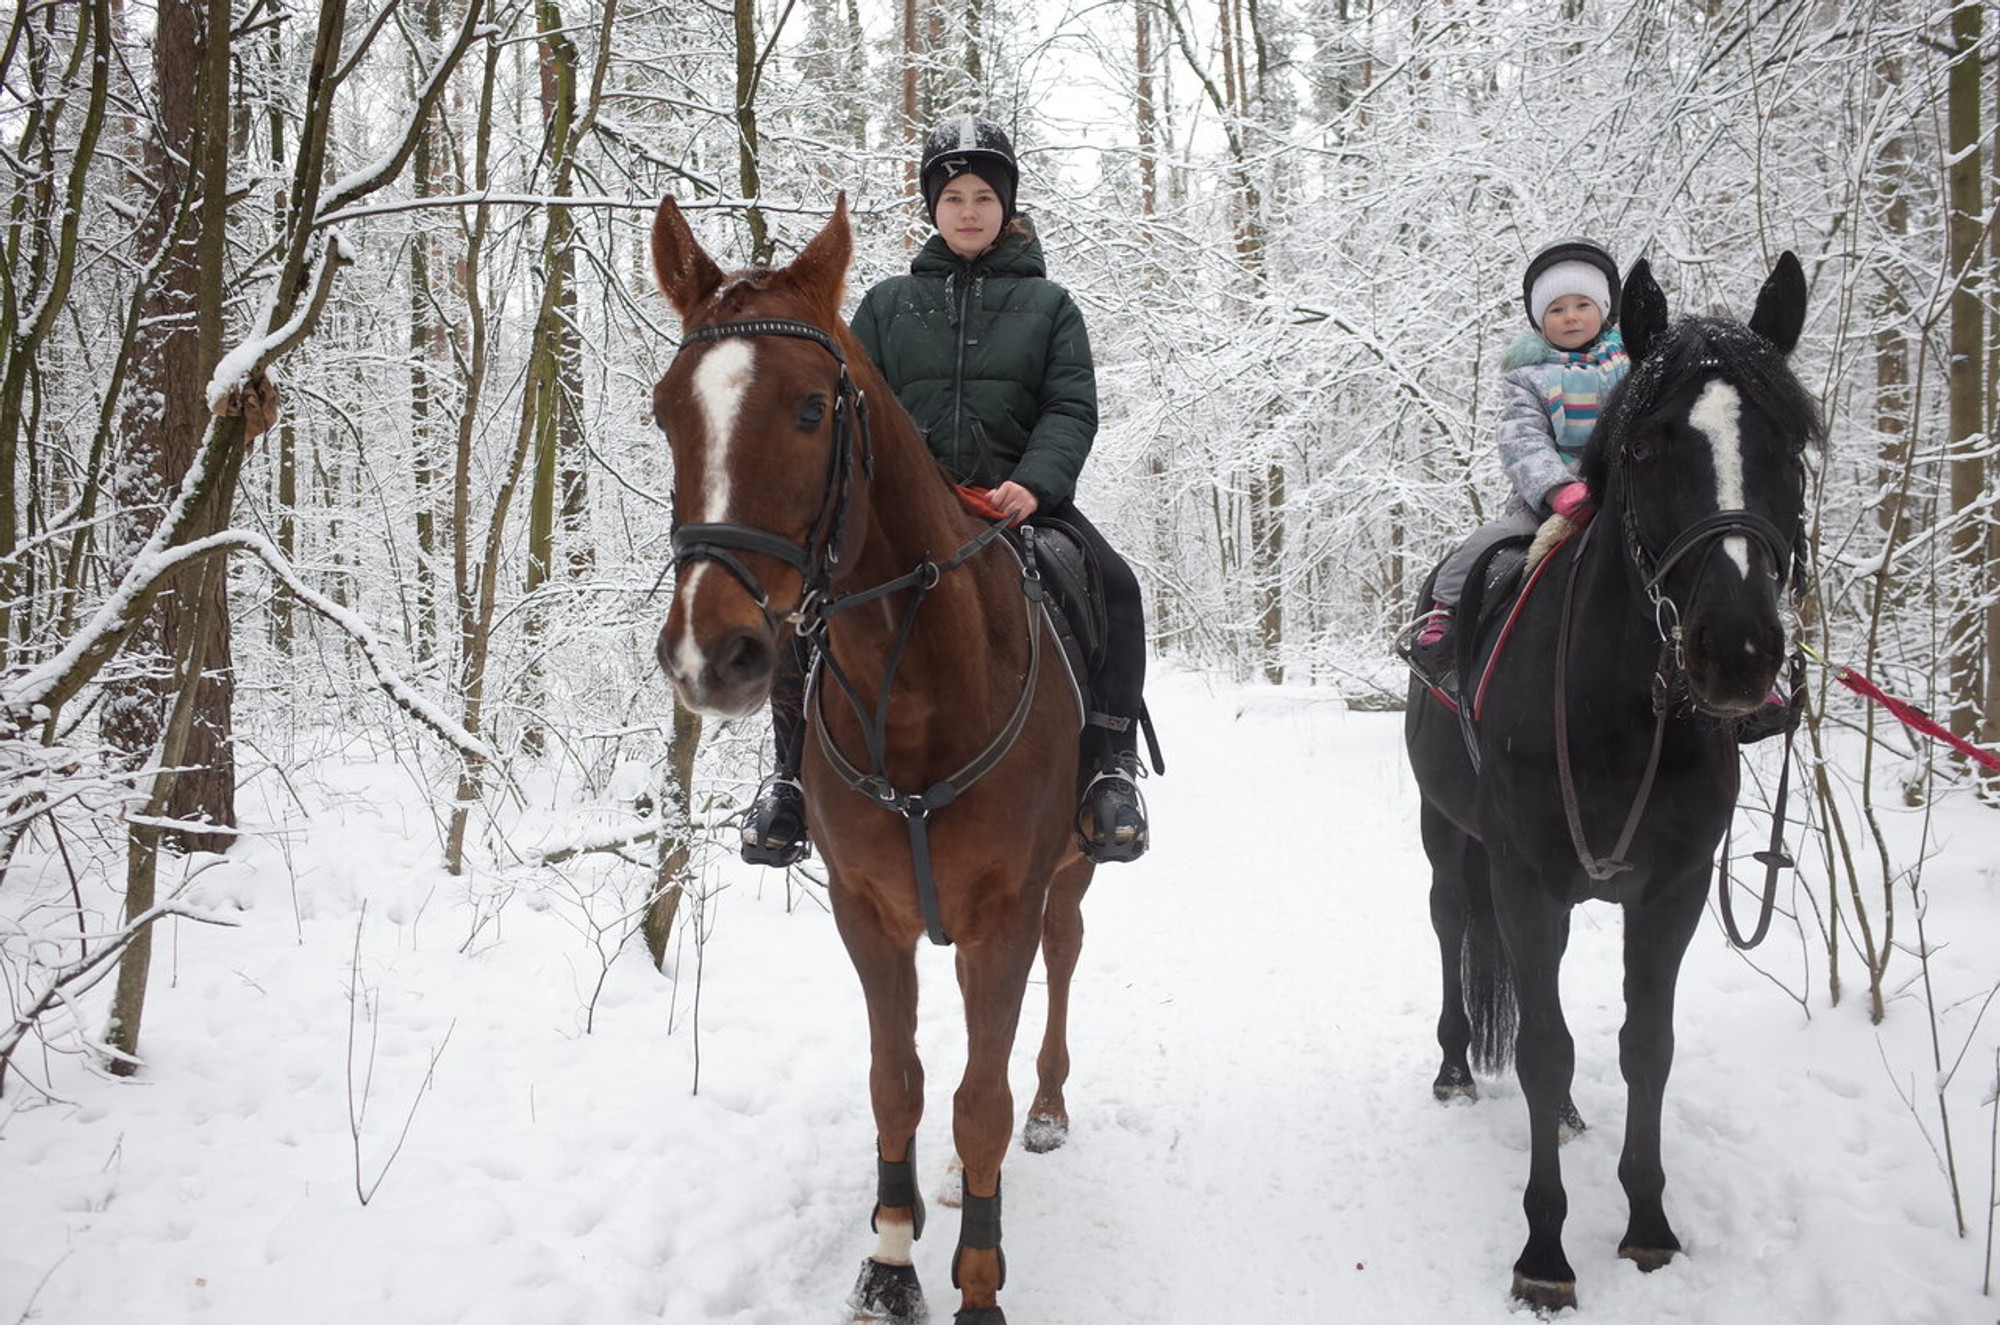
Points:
(1062, 942)
(992, 977)
(887, 1289)
(1656, 938)
(1448, 847)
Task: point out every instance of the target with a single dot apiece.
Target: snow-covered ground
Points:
(1254, 1138)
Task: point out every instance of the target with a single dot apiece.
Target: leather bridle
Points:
(1669, 679)
(817, 559)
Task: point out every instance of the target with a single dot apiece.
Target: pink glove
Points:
(1572, 502)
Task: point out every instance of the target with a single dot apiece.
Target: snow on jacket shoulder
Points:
(991, 359)
(1550, 401)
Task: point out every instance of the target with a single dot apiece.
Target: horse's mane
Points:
(1691, 350)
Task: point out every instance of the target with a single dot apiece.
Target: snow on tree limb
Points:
(28, 700)
(240, 384)
(353, 187)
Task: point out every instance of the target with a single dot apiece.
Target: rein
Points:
(1600, 868)
(1668, 679)
(817, 560)
(916, 808)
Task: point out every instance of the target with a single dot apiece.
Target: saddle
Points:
(1072, 594)
(1495, 591)
(1060, 573)
(1055, 556)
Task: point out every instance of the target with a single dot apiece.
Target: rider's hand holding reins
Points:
(1019, 503)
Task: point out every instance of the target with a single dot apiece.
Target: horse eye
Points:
(812, 413)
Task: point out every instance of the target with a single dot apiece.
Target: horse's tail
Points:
(1483, 968)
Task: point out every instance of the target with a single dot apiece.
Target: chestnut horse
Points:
(801, 490)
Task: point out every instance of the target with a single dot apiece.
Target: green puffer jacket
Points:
(991, 359)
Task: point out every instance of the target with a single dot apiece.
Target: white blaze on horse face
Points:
(1718, 412)
(721, 380)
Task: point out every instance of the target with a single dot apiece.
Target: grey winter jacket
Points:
(1550, 402)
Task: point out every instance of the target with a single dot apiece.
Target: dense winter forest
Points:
(327, 336)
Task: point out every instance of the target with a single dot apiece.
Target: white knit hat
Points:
(1571, 277)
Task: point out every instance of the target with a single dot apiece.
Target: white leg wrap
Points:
(893, 1242)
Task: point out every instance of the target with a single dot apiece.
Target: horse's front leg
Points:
(1656, 938)
(888, 1289)
(1062, 943)
(992, 977)
(1536, 930)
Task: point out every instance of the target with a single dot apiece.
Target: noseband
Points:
(818, 557)
(1702, 535)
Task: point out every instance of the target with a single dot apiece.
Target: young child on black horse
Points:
(991, 360)
(1556, 378)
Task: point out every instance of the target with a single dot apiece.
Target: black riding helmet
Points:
(1573, 249)
(968, 143)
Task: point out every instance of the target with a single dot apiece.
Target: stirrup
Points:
(774, 827)
(1435, 662)
(1113, 796)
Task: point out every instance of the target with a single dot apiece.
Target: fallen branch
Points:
(73, 979)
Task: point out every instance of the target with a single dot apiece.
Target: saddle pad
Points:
(1512, 606)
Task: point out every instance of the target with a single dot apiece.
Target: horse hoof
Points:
(1454, 1083)
(1569, 1124)
(1648, 1259)
(1043, 1134)
(980, 1316)
(951, 1188)
(888, 1295)
(1544, 1295)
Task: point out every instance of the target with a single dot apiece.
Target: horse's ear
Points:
(820, 270)
(1781, 305)
(685, 273)
(1642, 314)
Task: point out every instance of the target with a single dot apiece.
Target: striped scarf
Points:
(1576, 388)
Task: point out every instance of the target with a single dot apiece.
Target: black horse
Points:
(1610, 718)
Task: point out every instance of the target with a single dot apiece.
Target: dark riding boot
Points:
(774, 827)
(1111, 821)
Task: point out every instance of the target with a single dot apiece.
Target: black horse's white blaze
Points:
(1718, 414)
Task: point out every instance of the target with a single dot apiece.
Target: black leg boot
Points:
(1111, 821)
(774, 827)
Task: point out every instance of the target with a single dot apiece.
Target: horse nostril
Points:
(744, 657)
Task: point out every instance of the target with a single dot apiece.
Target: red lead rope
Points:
(1913, 717)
